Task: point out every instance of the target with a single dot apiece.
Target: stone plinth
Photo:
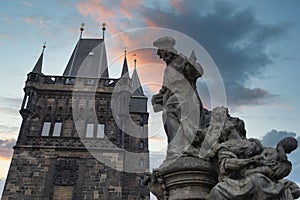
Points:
(188, 178)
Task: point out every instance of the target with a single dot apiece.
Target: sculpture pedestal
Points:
(188, 178)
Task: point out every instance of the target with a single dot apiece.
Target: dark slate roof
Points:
(136, 84)
(38, 66)
(125, 69)
(88, 59)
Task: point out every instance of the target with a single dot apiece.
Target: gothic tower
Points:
(83, 134)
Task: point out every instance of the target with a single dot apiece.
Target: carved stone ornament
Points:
(66, 172)
(208, 155)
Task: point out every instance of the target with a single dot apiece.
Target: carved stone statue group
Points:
(245, 169)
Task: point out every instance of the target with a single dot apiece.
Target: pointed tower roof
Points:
(39, 64)
(125, 67)
(136, 84)
(88, 59)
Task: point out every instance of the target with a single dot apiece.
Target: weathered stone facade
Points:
(59, 144)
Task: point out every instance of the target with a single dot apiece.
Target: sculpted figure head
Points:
(289, 144)
(166, 55)
(166, 50)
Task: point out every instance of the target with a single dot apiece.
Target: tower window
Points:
(57, 129)
(46, 128)
(142, 129)
(142, 144)
(69, 81)
(26, 101)
(141, 163)
(100, 131)
(142, 181)
(89, 131)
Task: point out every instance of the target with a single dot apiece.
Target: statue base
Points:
(187, 178)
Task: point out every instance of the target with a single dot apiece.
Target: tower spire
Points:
(136, 84)
(38, 66)
(125, 66)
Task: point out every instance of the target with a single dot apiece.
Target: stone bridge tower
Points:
(71, 144)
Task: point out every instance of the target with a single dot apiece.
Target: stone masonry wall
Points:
(34, 175)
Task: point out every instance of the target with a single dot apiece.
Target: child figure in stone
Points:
(274, 163)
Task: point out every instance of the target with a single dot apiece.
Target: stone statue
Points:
(178, 98)
(209, 156)
(275, 164)
(246, 168)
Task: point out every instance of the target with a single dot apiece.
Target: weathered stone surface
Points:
(57, 165)
(191, 178)
(211, 159)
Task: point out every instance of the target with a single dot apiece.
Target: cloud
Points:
(11, 100)
(29, 20)
(6, 148)
(235, 39)
(178, 5)
(10, 105)
(42, 22)
(119, 15)
(239, 95)
(26, 3)
(8, 131)
(99, 11)
(233, 36)
(271, 138)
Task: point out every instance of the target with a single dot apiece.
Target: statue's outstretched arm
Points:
(237, 164)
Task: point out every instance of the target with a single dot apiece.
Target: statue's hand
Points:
(258, 158)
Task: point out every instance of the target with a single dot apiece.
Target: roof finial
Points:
(134, 55)
(103, 29)
(125, 51)
(44, 47)
(81, 29)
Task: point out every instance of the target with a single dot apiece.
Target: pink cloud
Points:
(99, 12)
(178, 5)
(149, 67)
(95, 8)
(123, 16)
(149, 22)
(29, 20)
(6, 154)
(128, 7)
(6, 150)
(118, 16)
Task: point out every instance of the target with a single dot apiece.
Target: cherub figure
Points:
(274, 163)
